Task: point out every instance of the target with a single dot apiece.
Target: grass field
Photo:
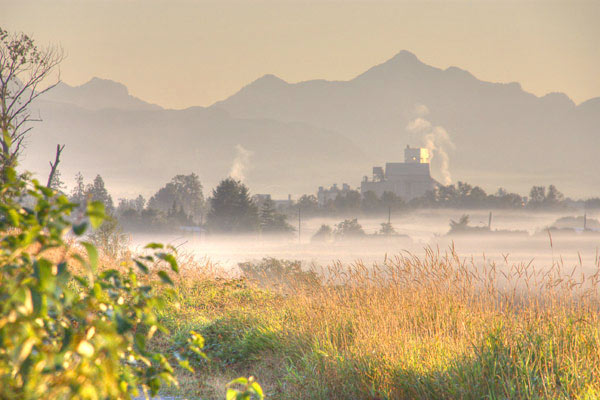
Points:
(432, 326)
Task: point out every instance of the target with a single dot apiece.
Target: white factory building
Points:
(408, 179)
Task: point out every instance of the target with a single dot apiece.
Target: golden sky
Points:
(180, 53)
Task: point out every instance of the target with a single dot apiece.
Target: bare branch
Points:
(23, 68)
(54, 166)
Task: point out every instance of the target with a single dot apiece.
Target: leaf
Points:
(43, 272)
(14, 218)
(232, 394)
(185, 364)
(255, 387)
(170, 259)
(23, 295)
(251, 387)
(241, 381)
(154, 246)
(165, 277)
(142, 266)
(23, 354)
(140, 341)
(79, 229)
(96, 213)
(46, 191)
(6, 137)
(92, 255)
(10, 174)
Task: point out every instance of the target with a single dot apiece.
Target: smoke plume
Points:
(240, 163)
(435, 139)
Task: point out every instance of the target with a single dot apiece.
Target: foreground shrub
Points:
(66, 334)
(78, 332)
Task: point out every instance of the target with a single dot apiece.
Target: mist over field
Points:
(299, 200)
(288, 139)
(423, 229)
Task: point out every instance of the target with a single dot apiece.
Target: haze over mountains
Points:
(314, 133)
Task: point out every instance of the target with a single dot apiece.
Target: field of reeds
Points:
(426, 326)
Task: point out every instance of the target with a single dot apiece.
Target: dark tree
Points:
(308, 204)
(348, 202)
(56, 182)
(391, 200)
(136, 205)
(232, 210)
(349, 228)
(537, 195)
(178, 216)
(371, 203)
(554, 198)
(271, 221)
(78, 192)
(324, 234)
(387, 229)
(461, 225)
(97, 192)
(184, 191)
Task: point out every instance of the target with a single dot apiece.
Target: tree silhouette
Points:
(186, 191)
(232, 210)
(271, 221)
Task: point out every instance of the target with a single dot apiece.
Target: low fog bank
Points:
(416, 231)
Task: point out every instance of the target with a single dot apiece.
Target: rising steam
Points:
(435, 139)
(240, 163)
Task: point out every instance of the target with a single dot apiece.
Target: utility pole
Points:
(490, 221)
(585, 221)
(389, 214)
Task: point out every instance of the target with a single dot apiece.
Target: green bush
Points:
(77, 333)
(65, 334)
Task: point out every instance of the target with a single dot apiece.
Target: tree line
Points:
(460, 196)
(231, 209)
(181, 203)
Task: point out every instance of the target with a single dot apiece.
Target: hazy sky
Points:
(181, 53)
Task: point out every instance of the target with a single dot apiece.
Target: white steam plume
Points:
(435, 139)
(240, 163)
(421, 110)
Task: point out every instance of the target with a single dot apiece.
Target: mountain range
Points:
(314, 133)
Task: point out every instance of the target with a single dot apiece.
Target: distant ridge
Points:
(498, 129)
(312, 133)
(97, 94)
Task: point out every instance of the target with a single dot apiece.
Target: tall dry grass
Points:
(431, 326)
(438, 326)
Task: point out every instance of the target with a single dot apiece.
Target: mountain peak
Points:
(404, 59)
(405, 56)
(105, 86)
(269, 80)
(458, 72)
(558, 99)
(98, 93)
(403, 63)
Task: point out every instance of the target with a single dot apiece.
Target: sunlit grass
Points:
(432, 326)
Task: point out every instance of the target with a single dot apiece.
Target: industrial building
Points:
(326, 195)
(408, 180)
